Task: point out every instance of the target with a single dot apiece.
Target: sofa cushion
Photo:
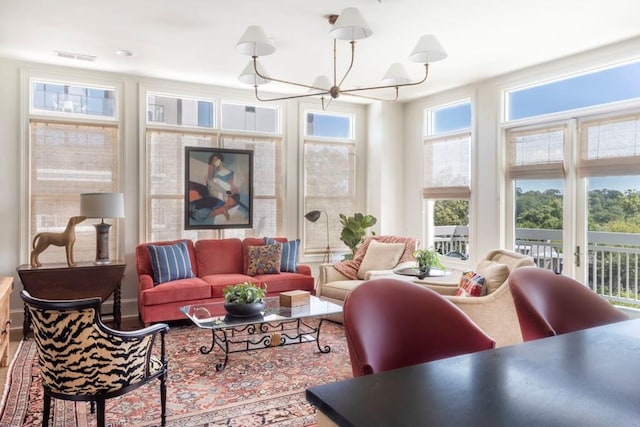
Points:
(380, 256)
(494, 273)
(339, 289)
(289, 259)
(219, 256)
(170, 262)
(184, 290)
(264, 259)
(471, 284)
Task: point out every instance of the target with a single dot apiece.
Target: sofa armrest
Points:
(329, 274)
(145, 282)
(303, 269)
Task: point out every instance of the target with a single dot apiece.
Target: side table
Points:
(444, 285)
(86, 280)
(6, 285)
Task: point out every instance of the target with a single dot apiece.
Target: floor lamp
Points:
(102, 205)
(313, 216)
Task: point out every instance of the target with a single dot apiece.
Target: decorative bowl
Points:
(244, 310)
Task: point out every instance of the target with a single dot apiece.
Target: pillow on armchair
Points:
(380, 256)
(349, 268)
(494, 273)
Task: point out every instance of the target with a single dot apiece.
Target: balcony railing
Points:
(613, 258)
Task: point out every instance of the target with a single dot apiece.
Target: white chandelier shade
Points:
(396, 75)
(254, 42)
(349, 26)
(428, 50)
(249, 75)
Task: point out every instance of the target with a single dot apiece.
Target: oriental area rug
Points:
(258, 387)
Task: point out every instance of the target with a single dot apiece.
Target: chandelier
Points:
(349, 26)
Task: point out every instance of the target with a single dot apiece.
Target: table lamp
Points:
(314, 216)
(102, 205)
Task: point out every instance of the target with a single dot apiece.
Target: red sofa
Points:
(216, 263)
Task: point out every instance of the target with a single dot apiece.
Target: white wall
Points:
(384, 169)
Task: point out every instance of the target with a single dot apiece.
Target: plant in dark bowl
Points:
(427, 259)
(244, 299)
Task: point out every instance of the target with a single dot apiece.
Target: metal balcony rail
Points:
(613, 258)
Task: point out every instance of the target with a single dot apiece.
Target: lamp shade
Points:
(249, 75)
(321, 83)
(396, 75)
(350, 25)
(312, 216)
(102, 205)
(428, 50)
(254, 42)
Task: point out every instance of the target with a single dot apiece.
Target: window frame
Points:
(433, 194)
(356, 141)
(28, 77)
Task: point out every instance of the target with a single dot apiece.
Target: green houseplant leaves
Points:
(355, 228)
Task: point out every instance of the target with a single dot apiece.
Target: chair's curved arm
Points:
(137, 334)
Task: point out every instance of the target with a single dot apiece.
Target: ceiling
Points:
(193, 40)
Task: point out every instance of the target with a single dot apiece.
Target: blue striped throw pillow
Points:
(170, 262)
(289, 259)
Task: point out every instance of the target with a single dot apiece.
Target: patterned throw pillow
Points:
(264, 259)
(289, 259)
(170, 262)
(471, 285)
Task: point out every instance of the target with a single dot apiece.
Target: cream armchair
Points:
(494, 312)
(377, 257)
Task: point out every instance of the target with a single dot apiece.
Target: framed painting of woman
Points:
(218, 188)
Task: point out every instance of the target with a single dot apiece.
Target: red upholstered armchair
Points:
(391, 323)
(550, 304)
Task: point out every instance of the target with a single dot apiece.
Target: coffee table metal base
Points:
(262, 335)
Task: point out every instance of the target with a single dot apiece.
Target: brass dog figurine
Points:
(67, 238)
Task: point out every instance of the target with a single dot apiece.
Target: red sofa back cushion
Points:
(143, 259)
(219, 256)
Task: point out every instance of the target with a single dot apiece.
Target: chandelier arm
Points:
(282, 98)
(353, 54)
(375, 98)
(426, 74)
(325, 106)
(255, 69)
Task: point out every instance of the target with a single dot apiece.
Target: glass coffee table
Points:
(275, 326)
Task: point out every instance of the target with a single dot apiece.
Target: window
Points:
(250, 118)
(165, 156)
(329, 176)
(447, 177)
(600, 87)
(268, 185)
(49, 97)
(179, 111)
(329, 125)
(68, 158)
(574, 178)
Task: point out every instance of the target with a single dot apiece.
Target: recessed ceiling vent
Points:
(78, 56)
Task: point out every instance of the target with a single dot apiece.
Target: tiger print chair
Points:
(81, 359)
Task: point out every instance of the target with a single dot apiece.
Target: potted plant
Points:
(354, 228)
(427, 259)
(244, 299)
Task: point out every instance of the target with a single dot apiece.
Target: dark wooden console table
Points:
(86, 280)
